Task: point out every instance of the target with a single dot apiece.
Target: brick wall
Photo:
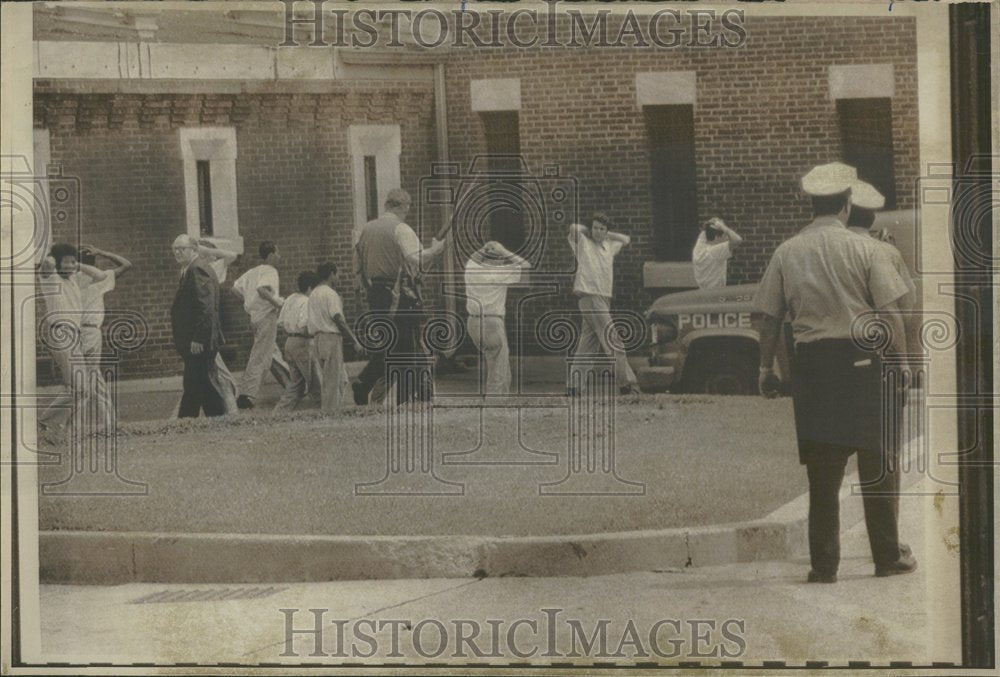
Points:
(762, 118)
(294, 186)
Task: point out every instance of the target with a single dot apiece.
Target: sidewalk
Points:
(861, 618)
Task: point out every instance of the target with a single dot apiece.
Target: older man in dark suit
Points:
(194, 318)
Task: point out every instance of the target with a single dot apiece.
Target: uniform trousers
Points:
(837, 396)
(406, 323)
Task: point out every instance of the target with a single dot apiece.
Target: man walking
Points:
(259, 288)
(712, 251)
(595, 249)
(194, 318)
(865, 202)
(93, 298)
(388, 255)
(294, 319)
(825, 278)
(488, 273)
(64, 279)
(328, 327)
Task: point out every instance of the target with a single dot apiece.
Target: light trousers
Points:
(490, 336)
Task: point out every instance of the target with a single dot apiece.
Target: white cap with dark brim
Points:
(865, 196)
(833, 178)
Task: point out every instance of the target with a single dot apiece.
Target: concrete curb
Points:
(87, 557)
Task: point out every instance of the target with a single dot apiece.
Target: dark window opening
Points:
(866, 138)
(672, 180)
(371, 188)
(503, 146)
(205, 198)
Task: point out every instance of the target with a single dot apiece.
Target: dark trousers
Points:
(199, 392)
(837, 392)
(880, 493)
(406, 326)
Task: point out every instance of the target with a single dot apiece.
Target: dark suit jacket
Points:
(195, 313)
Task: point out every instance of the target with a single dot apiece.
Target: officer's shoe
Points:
(906, 564)
(820, 577)
(244, 402)
(630, 389)
(360, 396)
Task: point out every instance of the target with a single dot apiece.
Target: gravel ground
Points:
(703, 460)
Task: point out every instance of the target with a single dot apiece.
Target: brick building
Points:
(198, 122)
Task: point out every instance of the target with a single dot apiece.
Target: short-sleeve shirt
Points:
(324, 304)
(710, 259)
(294, 314)
(92, 293)
(825, 277)
(909, 299)
(384, 245)
(248, 283)
(486, 287)
(63, 299)
(594, 263)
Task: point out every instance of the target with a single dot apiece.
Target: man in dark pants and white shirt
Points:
(826, 277)
(387, 250)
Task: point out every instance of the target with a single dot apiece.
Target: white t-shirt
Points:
(324, 304)
(93, 298)
(294, 315)
(710, 260)
(594, 263)
(63, 298)
(257, 306)
(486, 287)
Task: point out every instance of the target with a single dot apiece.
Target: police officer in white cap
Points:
(824, 278)
(865, 202)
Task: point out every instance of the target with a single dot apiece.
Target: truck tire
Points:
(724, 373)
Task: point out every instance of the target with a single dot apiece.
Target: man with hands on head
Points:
(595, 249)
(712, 251)
(64, 280)
(488, 273)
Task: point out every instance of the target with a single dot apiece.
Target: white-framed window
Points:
(209, 155)
(375, 153)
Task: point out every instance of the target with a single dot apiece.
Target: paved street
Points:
(860, 618)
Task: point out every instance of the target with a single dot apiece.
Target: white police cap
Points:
(833, 178)
(865, 196)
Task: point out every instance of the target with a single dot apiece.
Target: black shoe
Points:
(818, 577)
(244, 402)
(630, 389)
(360, 396)
(904, 565)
